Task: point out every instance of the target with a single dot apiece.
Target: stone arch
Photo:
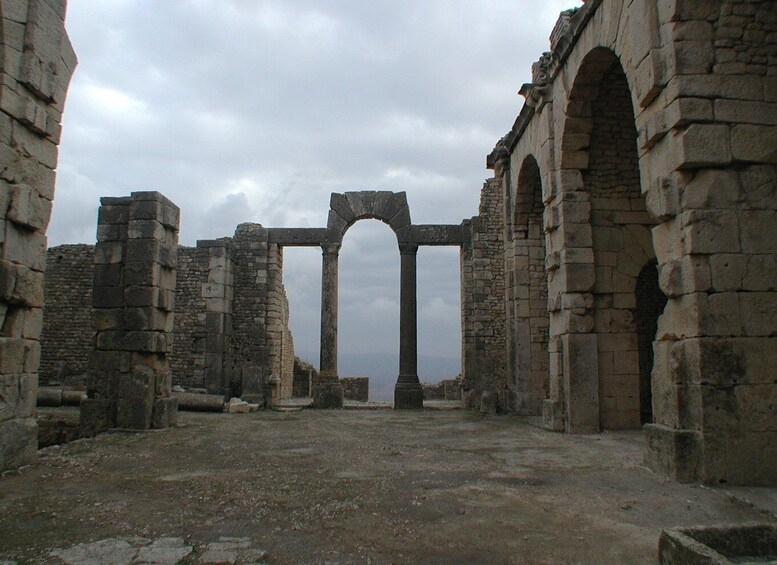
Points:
(347, 208)
(600, 141)
(527, 316)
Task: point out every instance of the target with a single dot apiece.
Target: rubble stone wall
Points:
(187, 359)
(67, 336)
(356, 388)
(303, 378)
(36, 63)
(482, 305)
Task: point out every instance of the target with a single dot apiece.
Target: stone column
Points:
(327, 390)
(408, 392)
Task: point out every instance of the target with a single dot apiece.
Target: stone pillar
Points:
(408, 392)
(133, 299)
(218, 293)
(327, 390)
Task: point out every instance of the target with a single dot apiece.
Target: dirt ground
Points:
(355, 486)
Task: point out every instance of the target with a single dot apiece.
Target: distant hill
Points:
(383, 368)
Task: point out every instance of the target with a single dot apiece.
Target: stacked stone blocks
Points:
(133, 302)
(36, 63)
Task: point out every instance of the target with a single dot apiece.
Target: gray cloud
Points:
(252, 110)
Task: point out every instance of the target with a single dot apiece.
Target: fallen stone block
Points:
(237, 406)
(49, 396)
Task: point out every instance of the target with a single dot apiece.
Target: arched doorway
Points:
(650, 303)
(528, 294)
(369, 307)
(602, 140)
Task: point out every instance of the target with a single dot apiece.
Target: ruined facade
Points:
(621, 271)
(36, 63)
(210, 279)
(640, 194)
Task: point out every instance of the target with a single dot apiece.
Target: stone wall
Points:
(187, 359)
(303, 378)
(526, 292)
(67, 336)
(652, 127)
(262, 343)
(36, 63)
(483, 299)
(203, 346)
(448, 389)
(356, 388)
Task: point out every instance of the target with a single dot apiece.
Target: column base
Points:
(165, 413)
(327, 393)
(672, 452)
(552, 415)
(408, 395)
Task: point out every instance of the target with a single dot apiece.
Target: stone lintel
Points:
(428, 234)
(207, 243)
(298, 237)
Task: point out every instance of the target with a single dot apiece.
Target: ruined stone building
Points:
(621, 271)
(639, 189)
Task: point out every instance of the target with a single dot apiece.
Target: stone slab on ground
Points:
(351, 486)
(161, 551)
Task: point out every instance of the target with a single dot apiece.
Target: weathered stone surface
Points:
(134, 290)
(18, 442)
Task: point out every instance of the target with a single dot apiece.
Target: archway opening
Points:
(368, 318)
(650, 303)
(528, 294)
(622, 242)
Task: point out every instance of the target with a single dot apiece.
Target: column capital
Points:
(330, 248)
(408, 248)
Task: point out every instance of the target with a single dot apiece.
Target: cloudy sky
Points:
(256, 110)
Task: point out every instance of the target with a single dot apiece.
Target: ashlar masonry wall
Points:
(36, 63)
(133, 299)
(653, 128)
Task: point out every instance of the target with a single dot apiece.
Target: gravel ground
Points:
(354, 486)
